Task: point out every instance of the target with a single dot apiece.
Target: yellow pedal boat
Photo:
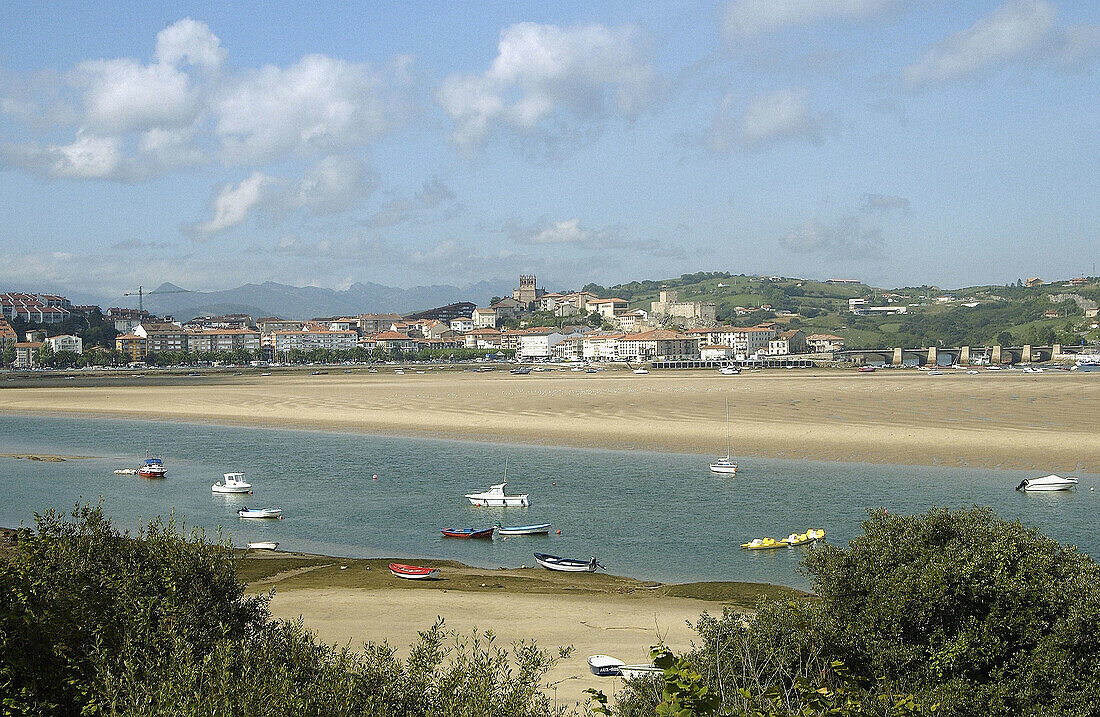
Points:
(802, 538)
(763, 544)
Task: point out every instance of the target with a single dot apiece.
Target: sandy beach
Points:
(1003, 419)
(350, 602)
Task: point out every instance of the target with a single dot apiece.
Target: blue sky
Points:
(894, 141)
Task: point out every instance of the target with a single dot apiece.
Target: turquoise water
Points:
(658, 516)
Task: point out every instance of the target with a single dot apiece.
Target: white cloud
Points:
(591, 72)
(233, 203)
(745, 18)
(190, 40)
(87, 157)
(1012, 31)
(316, 106)
(334, 184)
(781, 115)
(844, 238)
(572, 233)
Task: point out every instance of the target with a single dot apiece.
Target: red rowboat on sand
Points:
(413, 572)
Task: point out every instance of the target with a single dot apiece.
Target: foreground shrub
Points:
(93, 621)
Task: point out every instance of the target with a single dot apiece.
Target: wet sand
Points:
(1005, 419)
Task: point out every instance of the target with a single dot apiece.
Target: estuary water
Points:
(653, 516)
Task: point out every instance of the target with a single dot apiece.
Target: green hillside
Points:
(974, 316)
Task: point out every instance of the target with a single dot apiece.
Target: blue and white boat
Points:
(566, 565)
(536, 529)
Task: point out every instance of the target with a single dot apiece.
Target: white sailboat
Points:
(725, 465)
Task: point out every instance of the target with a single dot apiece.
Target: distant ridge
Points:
(303, 302)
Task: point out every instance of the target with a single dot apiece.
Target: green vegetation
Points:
(951, 612)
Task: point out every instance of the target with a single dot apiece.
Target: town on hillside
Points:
(704, 319)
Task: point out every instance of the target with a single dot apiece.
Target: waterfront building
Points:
(223, 340)
(162, 336)
(270, 324)
(7, 334)
(787, 342)
(714, 352)
(482, 338)
(537, 343)
(317, 339)
(824, 343)
(26, 354)
(658, 344)
(132, 346)
(373, 323)
(65, 342)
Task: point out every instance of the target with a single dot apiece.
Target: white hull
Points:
(1048, 483)
(526, 530)
(571, 566)
(264, 513)
(416, 576)
(605, 665)
(219, 488)
(519, 501)
(263, 545)
(630, 672)
(723, 467)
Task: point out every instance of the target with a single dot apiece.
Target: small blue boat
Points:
(467, 532)
(536, 529)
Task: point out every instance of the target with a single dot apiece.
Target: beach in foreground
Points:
(1003, 419)
(355, 601)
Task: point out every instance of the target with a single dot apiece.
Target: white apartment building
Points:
(659, 344)
(485, 318)
(607, 308)
(824, 343)
(223, 340)
(65, 343)
(317, 339)
(632, 320)
(538, 344)
(462, 324)
(601, 347)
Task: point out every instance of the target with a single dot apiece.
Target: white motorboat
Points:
(605, 665)
(725, 465)
(630, 672)
(535, 529)
(1050, 482)
(260, 513)
(232, 483)
(729, 370)
(495, 497)
(263, 545)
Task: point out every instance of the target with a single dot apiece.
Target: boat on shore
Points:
(232, 483)
(535, 529)
(725, 465)
(566, 565)
(486, 533)
(866, 369)
(729, 370)
(152, 468)
(605, 665)
(413, 572)
(1050, 482)
(263, 545)
(495, 497)
(260, 513)
(763, 544)
(631, 672)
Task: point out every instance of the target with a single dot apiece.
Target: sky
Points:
(900, 142)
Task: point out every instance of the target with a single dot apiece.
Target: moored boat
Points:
(605, 665)
(725, 465)
(495, 496)
(809, 536)
(152, 468)
(263, 545)
(763, 544)
(467, 532)
(413, 572)
(535, 529)
(232, 483)
(566, 565)
(260, 512)
(1050, 482)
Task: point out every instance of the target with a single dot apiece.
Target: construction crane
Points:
(141, 293)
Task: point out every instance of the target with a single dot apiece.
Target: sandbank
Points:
(350, 602)
(1005, 419)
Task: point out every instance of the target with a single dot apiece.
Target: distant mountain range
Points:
(304, 302)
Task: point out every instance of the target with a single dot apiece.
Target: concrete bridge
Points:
(964, 355)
